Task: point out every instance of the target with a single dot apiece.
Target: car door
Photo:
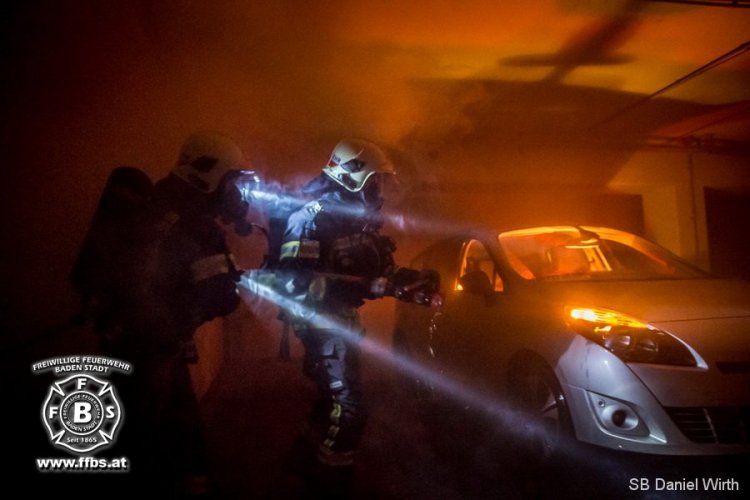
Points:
(465, 340)
(413, 332)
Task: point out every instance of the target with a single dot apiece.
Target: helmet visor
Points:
(352, 166)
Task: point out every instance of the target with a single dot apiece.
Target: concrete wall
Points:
(672, 185)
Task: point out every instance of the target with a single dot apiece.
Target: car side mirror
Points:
(476, 282)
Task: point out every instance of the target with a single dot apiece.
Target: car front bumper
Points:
(654, 409)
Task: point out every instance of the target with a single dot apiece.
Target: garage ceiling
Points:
(662, 72)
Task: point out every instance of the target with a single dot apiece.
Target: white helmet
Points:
(205, 157)
(353, 161)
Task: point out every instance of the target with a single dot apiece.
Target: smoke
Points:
(97, 86)
(288, 74)
(94, 85)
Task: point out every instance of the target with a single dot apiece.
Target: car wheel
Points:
(545, 424)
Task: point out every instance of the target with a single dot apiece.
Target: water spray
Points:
(467, 397)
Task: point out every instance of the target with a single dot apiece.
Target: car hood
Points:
(713, 316)
(659, 300)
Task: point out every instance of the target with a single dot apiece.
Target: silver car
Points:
(594, 333)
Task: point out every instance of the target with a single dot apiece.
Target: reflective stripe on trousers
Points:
(332, 361)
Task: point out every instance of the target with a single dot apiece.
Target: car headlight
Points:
(629, 339)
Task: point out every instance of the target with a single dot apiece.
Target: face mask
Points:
(371, 195)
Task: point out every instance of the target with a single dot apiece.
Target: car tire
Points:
(544, 418)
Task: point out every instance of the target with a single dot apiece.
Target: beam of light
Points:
(272, 197)
(267, 194)
(409, 224)
(500, 413)
(447, 386)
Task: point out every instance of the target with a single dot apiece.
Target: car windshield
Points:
(574, 253)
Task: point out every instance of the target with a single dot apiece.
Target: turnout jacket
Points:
(187, 274)
(332, 250)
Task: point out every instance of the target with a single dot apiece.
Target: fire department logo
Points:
(81, 413)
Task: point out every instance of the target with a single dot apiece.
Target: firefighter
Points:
(332, 258)
(101, 274)
(185, 277)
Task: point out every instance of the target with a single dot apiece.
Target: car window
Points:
(572, 252)
(476, 259)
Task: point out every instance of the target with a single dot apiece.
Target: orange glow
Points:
(618, 45)
(604, 316)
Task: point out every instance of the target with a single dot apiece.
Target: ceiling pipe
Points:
(720, 118)
(706, 67)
